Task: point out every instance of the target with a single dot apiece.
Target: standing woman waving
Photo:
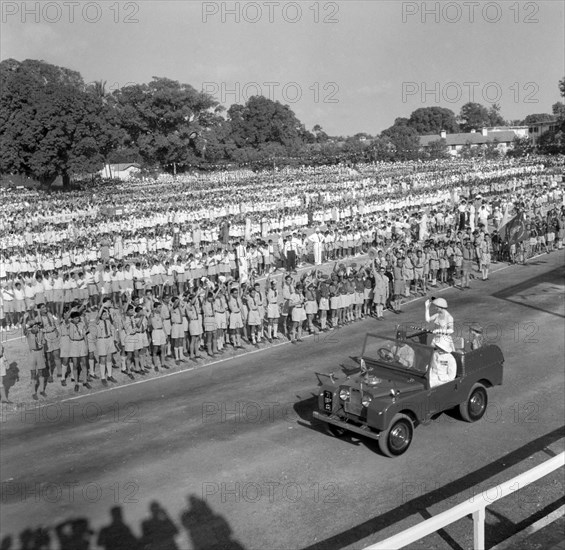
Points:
(442, 320)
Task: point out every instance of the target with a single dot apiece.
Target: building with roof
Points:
(122, 171)
(503, 139)
(519, 131)
(537, 129)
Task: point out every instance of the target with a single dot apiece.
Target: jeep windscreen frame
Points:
(401, 355)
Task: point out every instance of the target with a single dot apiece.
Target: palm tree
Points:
(98, 89)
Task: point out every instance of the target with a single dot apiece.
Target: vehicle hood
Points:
(379, 386)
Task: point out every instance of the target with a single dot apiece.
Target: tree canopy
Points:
(539, 117)
(52, 124)
(553, 141)
(432, 120)
(161, 119)
(49, 124)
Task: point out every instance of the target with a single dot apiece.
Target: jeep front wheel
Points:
(476, 405)
(397, 438)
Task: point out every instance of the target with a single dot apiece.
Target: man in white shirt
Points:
(241, 254)
(443, 367)
(318, 243)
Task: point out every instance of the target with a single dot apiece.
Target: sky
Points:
(350, 66)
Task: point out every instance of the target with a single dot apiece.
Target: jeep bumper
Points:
(349, 426)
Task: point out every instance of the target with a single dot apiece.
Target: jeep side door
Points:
(445, 396)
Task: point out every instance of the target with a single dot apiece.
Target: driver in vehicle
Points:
(443, 367)
(403, 354)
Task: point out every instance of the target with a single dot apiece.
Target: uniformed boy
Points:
(36, 344)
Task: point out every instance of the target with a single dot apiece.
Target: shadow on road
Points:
(553, 281)
(205, 529)
(304, 410)
(418, 506)
(11, 377)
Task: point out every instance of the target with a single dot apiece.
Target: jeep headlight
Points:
(344, 394)
(367, 398)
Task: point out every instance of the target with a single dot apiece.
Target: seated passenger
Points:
(476, 332)
(443, 367)
(403, 354)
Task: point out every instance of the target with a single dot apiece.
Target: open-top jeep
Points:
(391, 394)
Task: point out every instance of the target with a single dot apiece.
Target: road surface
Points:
(228, 455)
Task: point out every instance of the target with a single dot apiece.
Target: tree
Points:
(558, 109)
(354, 150)
(261, 121)
(49, 124)
(98, 88)
(381, 149)
(405, 141)
(437, 149)
(160, 117)
(40, 72)
(473, 116)
(494, 116)
(553, 141)
(491, 150)
(432, 120)
(521, 147)
(401, 121)
(320, 135)
(541, 117)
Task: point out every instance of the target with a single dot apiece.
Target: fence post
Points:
(479, 529)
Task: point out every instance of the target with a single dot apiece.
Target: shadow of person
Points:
(26, 539)
(158, 531)
(11, 377)
(117, 535)
(206, 530)
(42, 539)
(74, 534)
(30, 539)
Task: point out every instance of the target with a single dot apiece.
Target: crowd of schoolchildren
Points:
(185, 268)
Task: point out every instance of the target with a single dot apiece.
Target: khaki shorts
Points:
(37, 360)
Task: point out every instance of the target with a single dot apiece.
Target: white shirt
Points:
(442, 369)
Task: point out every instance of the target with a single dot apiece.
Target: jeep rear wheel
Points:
(476, 405)
(395, 440)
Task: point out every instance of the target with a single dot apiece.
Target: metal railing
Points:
(475, 506)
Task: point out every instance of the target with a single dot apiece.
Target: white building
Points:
(123, 171)
(520, 131)
(503, 138)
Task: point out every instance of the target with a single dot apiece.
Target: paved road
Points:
(230, 455)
